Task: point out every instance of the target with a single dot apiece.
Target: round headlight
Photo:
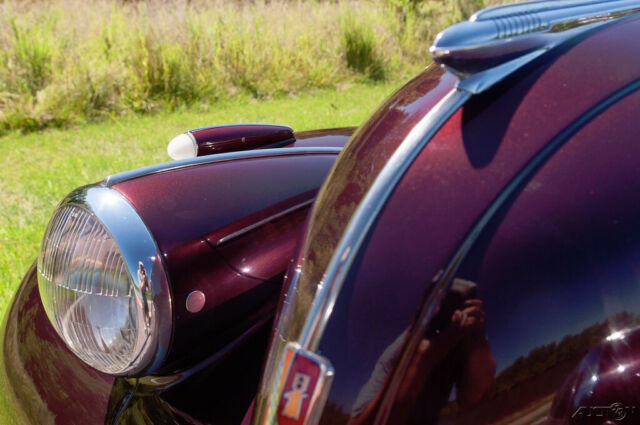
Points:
(103, 285)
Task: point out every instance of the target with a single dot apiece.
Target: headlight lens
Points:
(105, 306)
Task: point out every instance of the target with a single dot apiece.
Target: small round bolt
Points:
(195, 301)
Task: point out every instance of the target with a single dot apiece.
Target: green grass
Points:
(64, 62)
(39, 169)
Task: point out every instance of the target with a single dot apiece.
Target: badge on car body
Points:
(306, 381)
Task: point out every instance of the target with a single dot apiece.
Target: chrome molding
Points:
(144, 263)
(264, 221)
(446, 278)
(358, 228)
(190, 162)
(498, 40)
(368, 210)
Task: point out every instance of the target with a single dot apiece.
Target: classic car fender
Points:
(42, 381)
(427, 191)
(227, 230)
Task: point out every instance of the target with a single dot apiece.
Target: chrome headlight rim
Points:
(138, 249)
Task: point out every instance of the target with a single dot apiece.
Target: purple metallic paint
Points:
(610, 393)
(570, 236)
(357, 167)
(190, 203)
(188, 210)
(332, 137)
(239, 137)
(477, 152)
(456, 177)
(260, 253)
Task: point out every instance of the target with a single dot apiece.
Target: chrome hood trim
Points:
(190, 162)
(498, 40)
(368, 211)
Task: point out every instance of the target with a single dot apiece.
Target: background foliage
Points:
(68, 61)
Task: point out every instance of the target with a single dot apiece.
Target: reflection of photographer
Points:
(454, 350)
(453, 309)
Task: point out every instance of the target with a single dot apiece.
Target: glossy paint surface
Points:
(557, 276)
(357, 167)
(331, 137)
(362, 166)
(45, 383)
(209, 199)
(239, 137)
(50, 384)
(260, 253)
(457, 176)
(604, 384)
(217, 394)
(189, 211)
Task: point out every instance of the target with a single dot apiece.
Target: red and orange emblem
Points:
(307, 378)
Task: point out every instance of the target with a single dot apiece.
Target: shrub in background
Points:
(68, 61)
(360, 48)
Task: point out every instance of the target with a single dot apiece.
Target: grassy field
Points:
(64, 62)
(39, 169)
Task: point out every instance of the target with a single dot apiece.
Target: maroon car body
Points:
(471, 257)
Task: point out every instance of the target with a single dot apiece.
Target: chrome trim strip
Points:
(355, 233)
(262, 222)
(442, 286)
(554, 7)
(368, 211)
(498, 40)
(139, 250)
(190, 162)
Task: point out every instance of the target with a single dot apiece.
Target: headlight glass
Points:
(99, 303)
